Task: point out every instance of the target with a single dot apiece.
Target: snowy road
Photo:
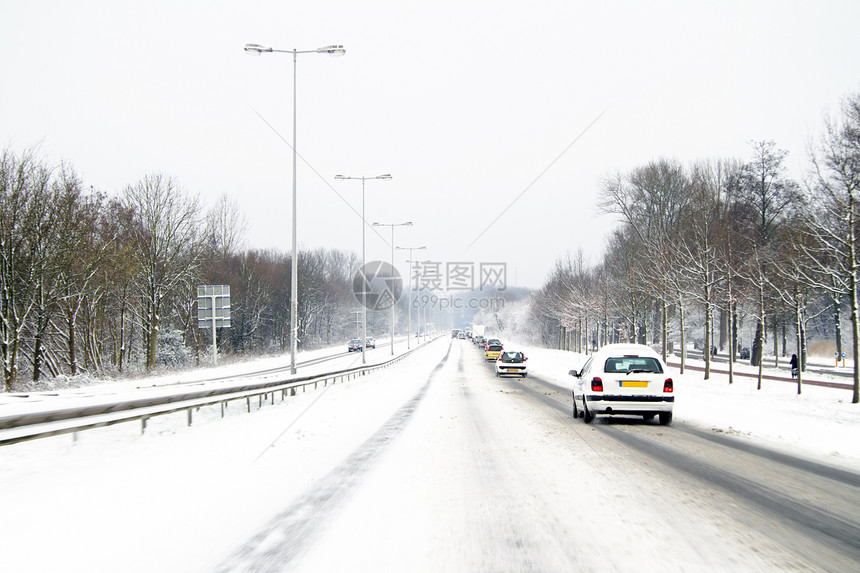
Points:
(474, 473)
(432, 464)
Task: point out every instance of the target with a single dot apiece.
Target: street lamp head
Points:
(333, 50)
(363, 177)
(256, 49)
(406, 224)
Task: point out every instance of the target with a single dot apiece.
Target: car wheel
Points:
(525, 375)
(648, 417)
(665, 418)
(587, 417)
(498, 375)
(575, 413)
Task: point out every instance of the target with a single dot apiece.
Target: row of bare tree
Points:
(722, 239)
(103, 285)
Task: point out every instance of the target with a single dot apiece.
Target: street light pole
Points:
(392, 225)
(410, 249)
(386, 176)
(332, 50)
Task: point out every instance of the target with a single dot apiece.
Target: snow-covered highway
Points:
(433, 464)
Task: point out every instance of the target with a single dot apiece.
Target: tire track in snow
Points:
(835, 530)
(508, 535)
(291, 531)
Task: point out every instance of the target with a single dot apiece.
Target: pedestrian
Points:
(794, 365)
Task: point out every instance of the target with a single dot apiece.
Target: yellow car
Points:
(493, 351)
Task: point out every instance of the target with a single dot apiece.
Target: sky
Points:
(498, 120)
(121, 492)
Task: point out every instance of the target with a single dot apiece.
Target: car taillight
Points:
(596, 384)
(668, 386)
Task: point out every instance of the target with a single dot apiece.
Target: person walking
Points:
(794, 365)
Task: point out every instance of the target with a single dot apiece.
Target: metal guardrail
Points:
(29, 426)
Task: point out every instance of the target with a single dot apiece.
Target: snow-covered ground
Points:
(185, 498)
(821, 423)
(308, 362)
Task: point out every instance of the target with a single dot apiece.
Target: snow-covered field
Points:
(184, 498)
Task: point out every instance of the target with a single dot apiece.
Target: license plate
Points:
(512, 370)
(633, 384)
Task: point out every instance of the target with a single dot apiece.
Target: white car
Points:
(623, 379)
(511, 363)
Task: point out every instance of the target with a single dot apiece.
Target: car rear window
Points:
(494, 347)
(512, 357)
(633, 364)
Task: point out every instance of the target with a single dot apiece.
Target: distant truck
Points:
(478, 329)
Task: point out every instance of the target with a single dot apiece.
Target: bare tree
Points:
(767, 194)
(226, 227)
(165, 230)
(26, 218)
(652, 201)
(82, 256)
(835, 190)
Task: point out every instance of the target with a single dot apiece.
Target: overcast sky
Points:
(466, 103)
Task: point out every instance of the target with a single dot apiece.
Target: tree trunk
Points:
(683, 333)
(665, 332)
(72, 344)
(37, 356)
(798, 323)
(152, 340)
(784, 340)
(855, 319)
(775, 344)
(837, 323)
(730, 318)
(706, 353)
(121, 352)
(759, 342)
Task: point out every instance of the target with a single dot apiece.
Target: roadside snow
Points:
(821, 423)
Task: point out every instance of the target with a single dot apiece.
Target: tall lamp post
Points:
(392, 225)
(410, 261)
(256, 50)
(423, 306)
(386, 176)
